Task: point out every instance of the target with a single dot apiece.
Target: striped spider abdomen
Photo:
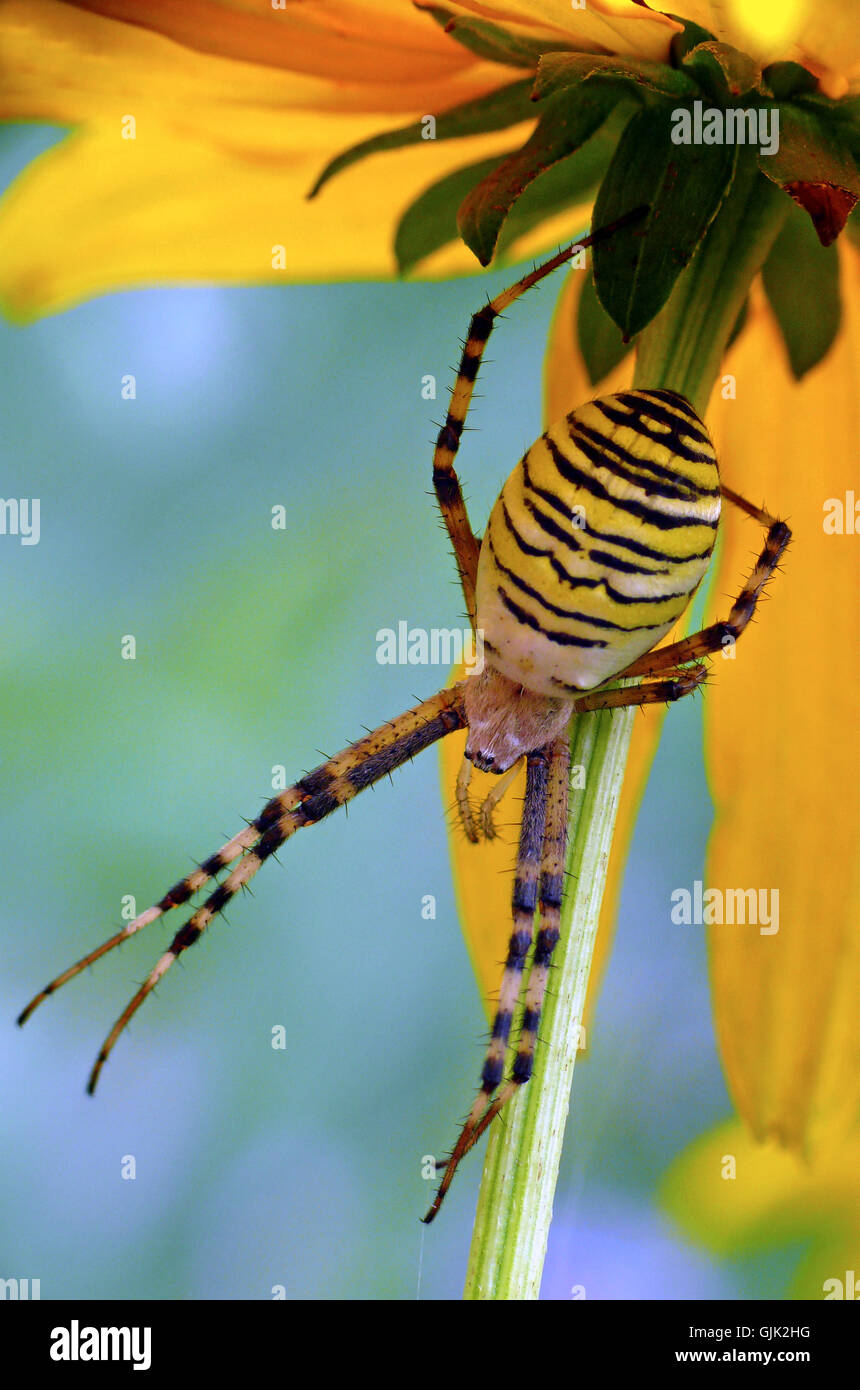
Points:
(597, 541)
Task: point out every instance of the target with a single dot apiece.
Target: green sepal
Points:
(560, 71)
(723, 72)
(682, 44)
(600, 342)
(683, 185)
(566, 121)
(801, 281)
(492, 41)
(574, 179)
(504, 107)
(431, 221)
(815, 167)
(787, 80)
(843, 116)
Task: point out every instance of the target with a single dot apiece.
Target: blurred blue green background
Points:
(255, 647)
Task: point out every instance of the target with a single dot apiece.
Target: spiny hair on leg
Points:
(329, 786)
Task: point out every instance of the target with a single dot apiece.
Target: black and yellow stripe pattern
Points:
(597, 542)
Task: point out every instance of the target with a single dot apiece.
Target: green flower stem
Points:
(515, 1206)
(682, 349)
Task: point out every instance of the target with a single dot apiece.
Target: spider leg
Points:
(174, 897)
(449, 493)
(186, 887)
(315, 796)
(680, 682)
(549, 909)
(525, 897)
(717, 635)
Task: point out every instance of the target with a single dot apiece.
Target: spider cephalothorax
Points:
(506, 720)
(596, 543)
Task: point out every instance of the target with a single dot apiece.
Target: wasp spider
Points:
(593, 549)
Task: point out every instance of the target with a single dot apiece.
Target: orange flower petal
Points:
(344, 40)
(63, 64)
(601, 26)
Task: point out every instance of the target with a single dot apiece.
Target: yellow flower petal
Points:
(223, 151)
(782, 743)
(737, 1197)
(99, 213)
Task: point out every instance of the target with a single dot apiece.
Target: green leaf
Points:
(838, 109)
(600, 340)
(431, 221)
(564, 126)
(801, 281)
(692, 35)
(684, 346)
(683, 186)
(815, 167)
(497, 110)
(843, 116)
(574, 179)
(492, 41)
(561, 71)
(722, 71)
(787, 80)
(846, 114)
